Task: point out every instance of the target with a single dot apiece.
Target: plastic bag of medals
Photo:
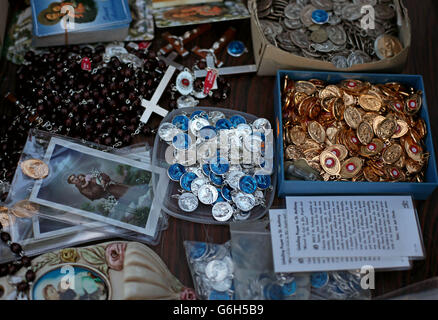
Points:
(353, 131)
(219, 164)
(332, 30)
(212, 270)
(255, 279)
(67, 190)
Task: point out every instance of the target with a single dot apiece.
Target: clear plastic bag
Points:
(212, 270)
(255, 278)
(134, 215)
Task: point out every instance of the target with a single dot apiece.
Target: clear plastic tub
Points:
(169, 188)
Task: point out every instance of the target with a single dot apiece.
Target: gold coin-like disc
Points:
(338, 150)
(365, 133)
(316, 131)
(24, 209)
(370, 102)
(330, 163)
(352, 117)
(392, 154)
(351, 167)
(305, 86)
(34, 168)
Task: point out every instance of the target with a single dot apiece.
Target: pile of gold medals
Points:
(353, 131)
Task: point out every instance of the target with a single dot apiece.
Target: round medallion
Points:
(182, 141)
(167, 131)
(320, 16)
(176, 171)
(319, 280)
(207, 194)
(236, 120)
(330, 163)
(236, 48)
(232, 178)
(186, 180)
(387, 46)
(351, 167)
(392, 154)
(219, 166)
(263, 181)
(248, 184)
(222, 211)
(188, 202)
(244, 202)
(365, 132)
(35, 169)
(223, 124)
(196, 184)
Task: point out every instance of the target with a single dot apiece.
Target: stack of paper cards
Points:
(79, 21)
(345, 233)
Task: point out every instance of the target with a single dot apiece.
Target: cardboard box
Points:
(4, 6)
(269, 58)
(419, 191)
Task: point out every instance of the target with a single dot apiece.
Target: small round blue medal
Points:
(319, 279)
(320, 16)
(273, 292)
(206, 169)
(186, 180)
(226, 193)
(181, 122)
(215, 179)
(263, 181)
(220, 198)
(219, 166)
(207, 133)
(289, 289)
(247, 184)
(236, 48)
(223, 124)
(176, 171)
(199, 113)
(236, 120)
(182, 141)
(198, 250)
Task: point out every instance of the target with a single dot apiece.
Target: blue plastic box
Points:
(419, 191)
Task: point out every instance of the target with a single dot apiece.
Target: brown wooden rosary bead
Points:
(16, 248)
(5, 236)
(26, 261)
(30, 275)
(22, 286)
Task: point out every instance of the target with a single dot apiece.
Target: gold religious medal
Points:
(297, 135)
(370, 103)
(299, 97)
(421, 127)
(369, 117)
(310, 144)
(24, 209)
(305, 86)
(413, 166)
(413, 150)
(376, 122)
(387, 128)
(338, 150)
(351, 167)
(331, 133)
(365, 133)
(330, 163)
(6, 219)
(373, 148)
(338, 109)
(34, 168)
(352, 117)
(370, 175)
(349, 100)
(351, 141)
(402, 129)
(392, 153)
(292, 153)
(396, 105)
(387, 46)
(353, 86)
(316, 131)
(331, 91)
(394, 174)
(413, 104)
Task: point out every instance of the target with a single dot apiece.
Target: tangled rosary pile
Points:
(353, 131)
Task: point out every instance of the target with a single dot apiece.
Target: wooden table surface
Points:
(253, 94)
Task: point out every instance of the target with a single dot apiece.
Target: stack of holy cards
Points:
(345, 233)
(79, 21)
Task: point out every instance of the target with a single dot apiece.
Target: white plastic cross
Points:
(152, 105)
